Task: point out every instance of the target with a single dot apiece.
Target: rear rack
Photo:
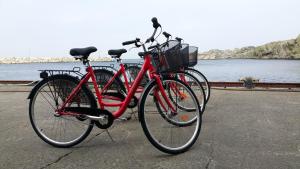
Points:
(133, 63)
(75, 71)
(111, 66)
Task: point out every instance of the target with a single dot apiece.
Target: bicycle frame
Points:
(147, 66)
(178, 93)
(117, 74)
(122, 71)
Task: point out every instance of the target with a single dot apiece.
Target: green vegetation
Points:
(289, 49)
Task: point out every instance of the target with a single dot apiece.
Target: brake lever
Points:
(151, 37)
(137, 45)
(136, 42)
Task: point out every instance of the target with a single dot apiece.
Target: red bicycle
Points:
(63, 109)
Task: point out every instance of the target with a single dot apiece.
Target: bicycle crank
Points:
(133, 102)
(104, 120)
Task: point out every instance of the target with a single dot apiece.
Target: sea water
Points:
(226, 70)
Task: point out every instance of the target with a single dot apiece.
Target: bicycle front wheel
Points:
(177, 96)
(170, 137)
(204, 82)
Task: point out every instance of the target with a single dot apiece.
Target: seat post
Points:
(86, 62)
(119, 60)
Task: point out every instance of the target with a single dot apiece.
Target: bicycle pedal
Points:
(123, 118)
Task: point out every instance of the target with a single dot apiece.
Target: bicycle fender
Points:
(34, 89)
(39, 84)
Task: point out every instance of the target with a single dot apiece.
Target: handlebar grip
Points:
(155, 23)
(152, 37)
(167, 35)
(129, 42)
(178, 39)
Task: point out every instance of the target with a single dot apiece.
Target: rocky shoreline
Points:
(288, 49)
(20, 60)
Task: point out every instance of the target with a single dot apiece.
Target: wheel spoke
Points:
(170, 132)
(60, 130)
(45, 99)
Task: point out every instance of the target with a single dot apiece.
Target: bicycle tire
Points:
(102, 77)
(207, 87)
(117, 87)
(149, 132)
(133, 71)
(91, 102)
(200, 97)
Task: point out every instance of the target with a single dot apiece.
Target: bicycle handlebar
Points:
(152, 36)
(178, 39)
(155, 26)
(167, 35)
(132, 42)
(128, 42)
(155, 23)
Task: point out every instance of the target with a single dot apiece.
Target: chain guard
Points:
(83, 111)
(108, 122)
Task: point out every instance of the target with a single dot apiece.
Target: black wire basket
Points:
(189, 55)
(193, 56)
(155, 59)
(168, 57)
(184, 52)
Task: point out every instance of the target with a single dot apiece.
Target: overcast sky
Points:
(52, 27)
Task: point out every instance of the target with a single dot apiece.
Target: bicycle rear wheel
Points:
(170, 137)
(115, 92)
(60, 130)
(133, 71)
(204, 82)
(102, 78)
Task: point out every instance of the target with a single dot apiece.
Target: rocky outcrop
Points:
(289, 49)
(13, 60)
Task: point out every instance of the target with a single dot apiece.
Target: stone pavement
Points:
(240, 129)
